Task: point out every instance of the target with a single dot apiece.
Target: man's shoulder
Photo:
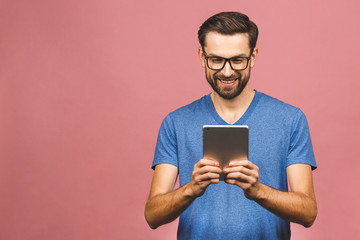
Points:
(195, 107)
(275, 105)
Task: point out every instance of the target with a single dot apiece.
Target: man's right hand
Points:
(205, 173)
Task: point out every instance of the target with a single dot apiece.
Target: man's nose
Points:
(227, 70)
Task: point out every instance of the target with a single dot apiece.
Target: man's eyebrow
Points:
(239, 55)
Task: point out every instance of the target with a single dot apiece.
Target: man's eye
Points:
(237, 60)
(217, 60)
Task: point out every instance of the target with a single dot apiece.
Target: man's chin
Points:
(228, 95)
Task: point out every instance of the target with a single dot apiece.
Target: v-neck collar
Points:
(243, 118)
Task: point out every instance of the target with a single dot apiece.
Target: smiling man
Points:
(260, 196)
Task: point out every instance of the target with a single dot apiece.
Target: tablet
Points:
(225, 143)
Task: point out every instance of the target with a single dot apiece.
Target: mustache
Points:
(226, 77)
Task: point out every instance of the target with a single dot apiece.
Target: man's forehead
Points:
(221, 45)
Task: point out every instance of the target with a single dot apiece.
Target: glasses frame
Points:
(227, 60)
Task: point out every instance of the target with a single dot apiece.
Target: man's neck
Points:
(231, 110)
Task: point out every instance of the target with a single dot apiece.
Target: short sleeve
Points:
(166, 146)
(300, 149)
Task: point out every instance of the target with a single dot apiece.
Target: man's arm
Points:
(298, 205)
(164, 205)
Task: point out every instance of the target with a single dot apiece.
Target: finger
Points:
(232, 181)
(208, 168)
(244, 163)
(210, 181)
(242, 185)
(205, 162)
(241, 169)
(206, 177)
(215, 180)
(239, 176)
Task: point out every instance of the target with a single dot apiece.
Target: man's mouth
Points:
(228, 82)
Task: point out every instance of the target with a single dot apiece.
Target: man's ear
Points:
(253, 57)
(201, 56)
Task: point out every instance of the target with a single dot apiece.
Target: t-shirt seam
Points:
(293, 128)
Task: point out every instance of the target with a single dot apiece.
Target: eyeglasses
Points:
(218, 63)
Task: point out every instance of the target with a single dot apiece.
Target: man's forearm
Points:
(164, 208)
(291, 206)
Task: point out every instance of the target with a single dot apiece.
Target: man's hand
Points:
(165, 204)
(244, 174)
(205, 173)
(298, 205)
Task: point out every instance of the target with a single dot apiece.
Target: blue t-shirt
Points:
(278, 137)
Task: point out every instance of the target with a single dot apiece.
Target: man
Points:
(253, 202)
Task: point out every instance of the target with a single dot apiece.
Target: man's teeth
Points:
(229, 81)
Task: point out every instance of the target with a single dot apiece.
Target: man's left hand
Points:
(244, 174)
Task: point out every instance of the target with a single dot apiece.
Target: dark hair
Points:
(229, 23)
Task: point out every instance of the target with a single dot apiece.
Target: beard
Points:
(227, 92)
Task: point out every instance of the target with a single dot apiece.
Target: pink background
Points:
(85, 85)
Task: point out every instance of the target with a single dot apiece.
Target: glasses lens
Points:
(216, 63)
(239, 63)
